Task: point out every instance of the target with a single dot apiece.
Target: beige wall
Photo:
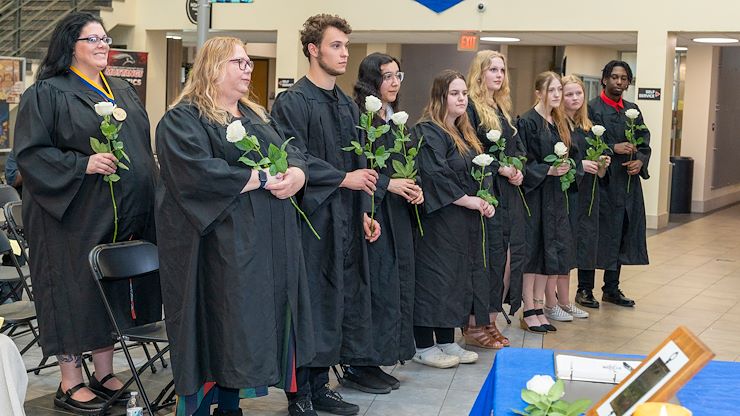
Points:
(588, 60)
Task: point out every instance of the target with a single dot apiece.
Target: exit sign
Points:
(468, 41)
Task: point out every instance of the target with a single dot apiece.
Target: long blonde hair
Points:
(201, 88)
(436, 112)
(580, 119)
(484, 101)
(542, 84)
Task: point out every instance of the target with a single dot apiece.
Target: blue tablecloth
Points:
(715, 391)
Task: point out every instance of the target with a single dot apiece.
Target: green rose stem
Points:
(593, 192)
(292, 200)
(630, 135)
(482, 222)
(519, 188)
(514, 161)
(115, 211)
(406, 156)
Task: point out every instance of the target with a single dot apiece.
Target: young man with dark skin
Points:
(322, 119)
(622, 239)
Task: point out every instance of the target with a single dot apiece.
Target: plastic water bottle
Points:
(132, 407)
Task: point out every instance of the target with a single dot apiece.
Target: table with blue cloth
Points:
(712, 392)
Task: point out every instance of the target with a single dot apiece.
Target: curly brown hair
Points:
(314, 27)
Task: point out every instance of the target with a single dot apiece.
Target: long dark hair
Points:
(62, 44)
(369, 78)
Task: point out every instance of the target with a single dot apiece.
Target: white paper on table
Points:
(593, 369)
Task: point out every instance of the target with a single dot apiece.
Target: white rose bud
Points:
(400, 118)
(598, 130)
(540, 384)
(561, 149)
(632, 113)
(104, 108)
(235, 131)
(372, 103)
(493, 135)
(483, 160)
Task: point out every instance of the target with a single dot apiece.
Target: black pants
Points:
(424, 336)
(611, 280)
(310, 380)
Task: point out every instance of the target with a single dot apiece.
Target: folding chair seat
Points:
(19, 313)
(132, 260)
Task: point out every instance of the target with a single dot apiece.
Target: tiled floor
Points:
(693, 280)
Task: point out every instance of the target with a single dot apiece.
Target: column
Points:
(655, 50)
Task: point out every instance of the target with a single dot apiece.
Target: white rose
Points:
(540, 384)
(632, 113)
(561, 149)
(400, 118)
(483, 160)
(235, 131)
(493, 135)
(372, 103)
(598, 130)
(104, 108)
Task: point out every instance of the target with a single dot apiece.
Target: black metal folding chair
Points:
(8, 279)
(132, 260)
(22, 312)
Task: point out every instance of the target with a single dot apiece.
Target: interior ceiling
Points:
(619, 40)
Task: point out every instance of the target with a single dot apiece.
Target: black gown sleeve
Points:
(643, 150)
(441, 184)
(53, 175)
(536, 169)
(203, 186)
(291, 113)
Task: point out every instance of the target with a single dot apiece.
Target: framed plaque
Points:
(676, 360)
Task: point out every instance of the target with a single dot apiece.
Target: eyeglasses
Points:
(243, 63)
(390, 75)
(94, 39)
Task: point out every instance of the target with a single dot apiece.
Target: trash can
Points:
(682, 180)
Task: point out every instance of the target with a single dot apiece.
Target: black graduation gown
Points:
(67, 212)
(449, 258)
(391, 260)
(227, 284)
(323, 122)
(550, 240)
(585, 227)
(507, 227)
(621, 242)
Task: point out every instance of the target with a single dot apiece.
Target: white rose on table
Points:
(541, 384)
(483, 160)
(598, 130)
(104, 108)
(561, 149)
(493, 135)
(400, 118)
(235, 131)
(372, 103)
(632, 113)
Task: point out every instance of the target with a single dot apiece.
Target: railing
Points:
(26, 24)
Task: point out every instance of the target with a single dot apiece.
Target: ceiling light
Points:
(681, 48)
(498, 39)
(715, 40)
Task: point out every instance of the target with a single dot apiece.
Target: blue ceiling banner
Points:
(439, 5)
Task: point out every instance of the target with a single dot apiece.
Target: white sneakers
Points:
(565, 313)
(556, 313)
(575, 311)
(445, 356)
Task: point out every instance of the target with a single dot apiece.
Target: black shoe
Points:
(235, 412)
(586, 299)
(302, 407)
(327, 400)
(538, 329)
(617, 298)
(98, 388)
(94, 406)
(548, 327)
(359, 378)
(385, 377)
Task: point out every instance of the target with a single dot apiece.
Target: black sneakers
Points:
(302, 407)
(364, 379)
(327, 400)
(385, 377)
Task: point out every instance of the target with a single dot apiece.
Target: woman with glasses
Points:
(391, 257)
(231, 262)
(68, 207)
